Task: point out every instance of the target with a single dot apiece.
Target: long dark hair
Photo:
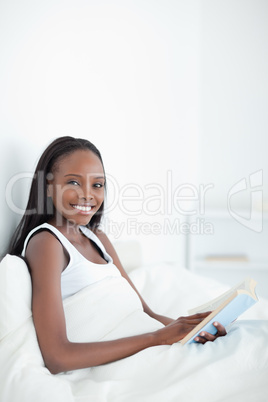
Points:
(39, 208)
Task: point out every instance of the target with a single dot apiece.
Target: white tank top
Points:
(79, 272)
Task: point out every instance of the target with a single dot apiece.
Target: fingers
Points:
(199, 315)
(221, 331)
(186, 324)
(204, 336)
(194, 319)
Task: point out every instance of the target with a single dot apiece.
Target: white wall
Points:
(169, 90)
(233, 83)
(120, 73)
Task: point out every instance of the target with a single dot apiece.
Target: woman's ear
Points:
(49, 190)
(49, 185)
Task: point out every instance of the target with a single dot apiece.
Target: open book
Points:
(224, 309)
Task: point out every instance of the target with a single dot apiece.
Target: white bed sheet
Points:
(173, 290)
(233, 368)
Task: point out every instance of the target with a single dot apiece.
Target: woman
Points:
(60, 239)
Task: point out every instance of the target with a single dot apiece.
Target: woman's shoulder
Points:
(98, 232)
(44, 246)
(106, 242)
(101, 236)
(42, 237)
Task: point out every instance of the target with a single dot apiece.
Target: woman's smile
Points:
(83, 209)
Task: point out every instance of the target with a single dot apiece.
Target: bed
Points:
(233, 368)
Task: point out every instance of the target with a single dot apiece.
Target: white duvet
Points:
(233, 368)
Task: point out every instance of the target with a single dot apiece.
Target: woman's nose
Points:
(87, 193)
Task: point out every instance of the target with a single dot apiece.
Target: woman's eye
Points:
(73, 182)
(98, 185)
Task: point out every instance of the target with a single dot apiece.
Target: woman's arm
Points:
(46, 260)
(111, 251)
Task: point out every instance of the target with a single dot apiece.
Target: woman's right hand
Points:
(179, 328)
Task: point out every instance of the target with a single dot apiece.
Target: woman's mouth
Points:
(84, 209)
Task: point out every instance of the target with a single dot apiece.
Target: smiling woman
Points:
(66, 252)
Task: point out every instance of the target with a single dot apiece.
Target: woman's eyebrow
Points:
(79, 175)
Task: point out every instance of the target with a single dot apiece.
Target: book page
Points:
(215, 303)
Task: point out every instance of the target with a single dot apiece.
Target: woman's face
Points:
(77, 187)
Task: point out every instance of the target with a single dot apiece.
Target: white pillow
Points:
(15, 294)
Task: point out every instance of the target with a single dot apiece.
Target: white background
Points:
(172, 92)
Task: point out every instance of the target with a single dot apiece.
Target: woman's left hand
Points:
(204, 336)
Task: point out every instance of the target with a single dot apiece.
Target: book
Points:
(225, 309)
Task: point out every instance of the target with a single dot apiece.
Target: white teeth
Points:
(81, 208)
